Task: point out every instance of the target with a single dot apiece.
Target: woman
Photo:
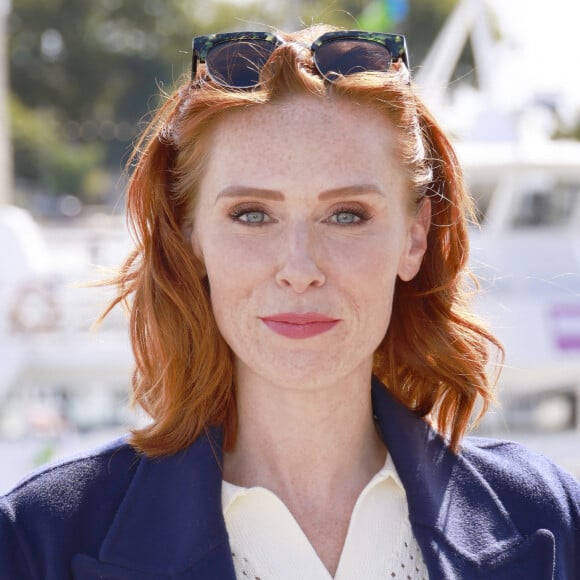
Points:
(302, 345)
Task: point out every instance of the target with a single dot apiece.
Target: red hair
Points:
(434, 354)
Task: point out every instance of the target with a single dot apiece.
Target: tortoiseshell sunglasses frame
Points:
(394, 43)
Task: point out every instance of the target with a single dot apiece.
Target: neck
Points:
(299, 442)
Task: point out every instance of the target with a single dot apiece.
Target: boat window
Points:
(552, 208)
(552, 411)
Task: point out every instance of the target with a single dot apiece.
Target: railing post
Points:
(6, 184)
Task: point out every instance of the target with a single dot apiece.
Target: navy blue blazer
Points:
(495, 511)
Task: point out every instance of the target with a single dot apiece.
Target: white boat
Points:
(62, 385)
(527, 251)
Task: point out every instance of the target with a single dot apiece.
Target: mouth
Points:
(299, 325)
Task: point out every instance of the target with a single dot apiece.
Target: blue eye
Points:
(250, 215)
(346, 217)
(253, 217)
(350, 215)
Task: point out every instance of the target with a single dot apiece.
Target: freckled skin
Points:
(300, 259)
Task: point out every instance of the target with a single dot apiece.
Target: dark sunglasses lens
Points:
(238, 63)
(350, 56)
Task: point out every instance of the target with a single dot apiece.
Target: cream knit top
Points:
(268, 544)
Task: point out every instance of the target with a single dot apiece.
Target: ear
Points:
(416, 245)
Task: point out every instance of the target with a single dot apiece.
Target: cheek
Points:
(236, 260)
(235, 273)
(227, 303)
(373, 261)
(370, 275)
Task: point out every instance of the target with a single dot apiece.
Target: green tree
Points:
(45, 159)
(96, 63)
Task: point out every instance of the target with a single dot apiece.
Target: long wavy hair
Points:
(435, 353)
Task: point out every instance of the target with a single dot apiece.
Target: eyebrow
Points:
(276, 195)
(242, 191)
(362, 189)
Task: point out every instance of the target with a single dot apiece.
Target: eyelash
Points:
(240, 210)
(361, 214)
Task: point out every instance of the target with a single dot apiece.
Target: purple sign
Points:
(566, 324)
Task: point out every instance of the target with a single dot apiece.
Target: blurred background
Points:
(79, 80)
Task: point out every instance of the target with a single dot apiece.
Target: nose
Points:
(299, 267)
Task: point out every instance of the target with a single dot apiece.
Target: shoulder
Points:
(65, 505)
(526, 482)
(513, 462)
(63, 483)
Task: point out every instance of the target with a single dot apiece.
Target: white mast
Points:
(468, 19)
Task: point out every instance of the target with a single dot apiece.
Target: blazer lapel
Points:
(461, 525)
(170, 523)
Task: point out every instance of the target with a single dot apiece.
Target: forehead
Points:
(302, 138)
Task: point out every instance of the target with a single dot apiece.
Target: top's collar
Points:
(231, 492)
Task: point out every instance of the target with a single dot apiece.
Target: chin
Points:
(307, 370)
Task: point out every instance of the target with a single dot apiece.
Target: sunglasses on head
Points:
(236, 59)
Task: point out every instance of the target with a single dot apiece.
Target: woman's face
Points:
(302, 223)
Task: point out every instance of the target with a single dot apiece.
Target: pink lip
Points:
(294, 325)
